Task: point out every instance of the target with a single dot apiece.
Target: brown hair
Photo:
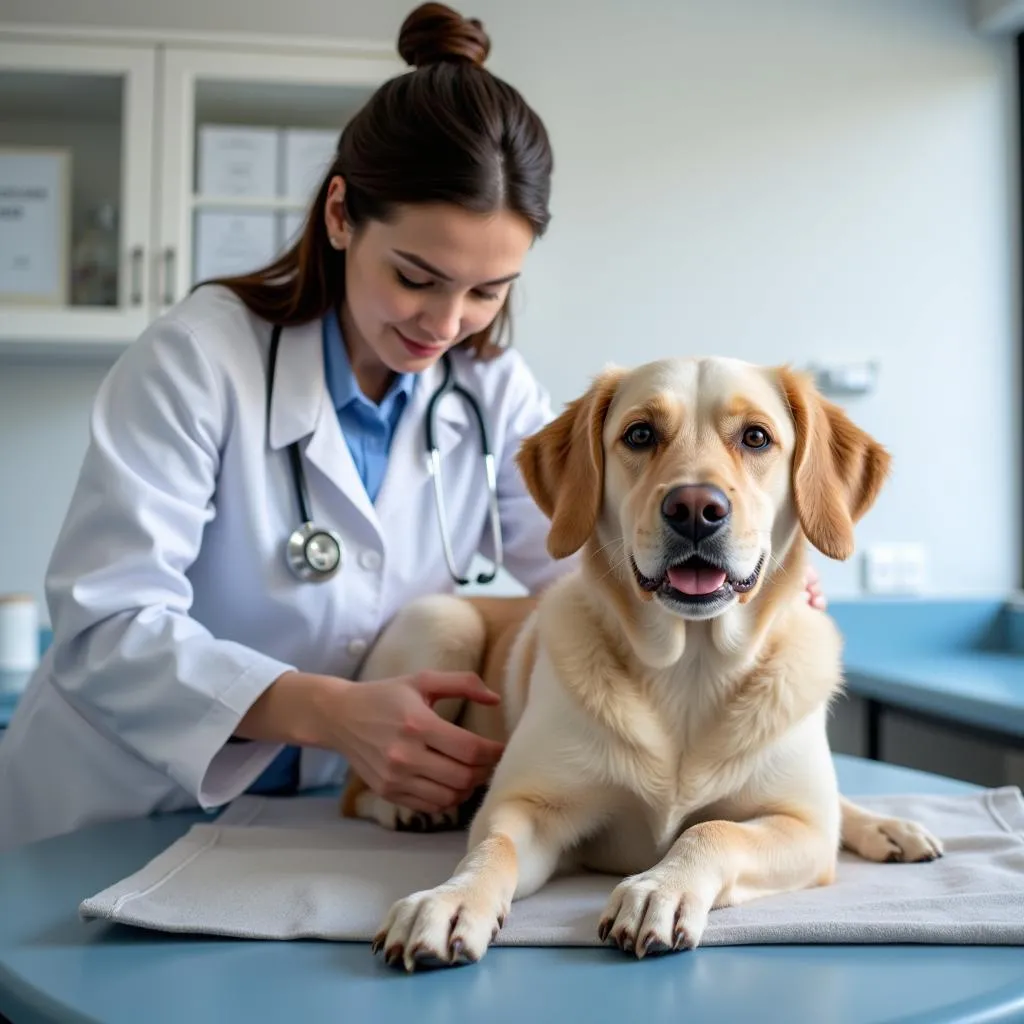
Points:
(449, 131)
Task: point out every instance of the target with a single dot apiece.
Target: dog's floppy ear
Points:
(563, 466)
(838, 469)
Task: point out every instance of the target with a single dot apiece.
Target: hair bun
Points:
(433, 33)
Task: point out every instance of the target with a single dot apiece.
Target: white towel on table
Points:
(289, 868)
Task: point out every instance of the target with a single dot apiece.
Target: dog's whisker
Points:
(611, 543)
(772, 557)
(614, 567)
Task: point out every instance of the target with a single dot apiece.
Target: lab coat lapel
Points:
(408, 461)
(301, 406)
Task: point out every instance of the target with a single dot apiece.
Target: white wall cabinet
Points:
(130, 109)
(96, 102)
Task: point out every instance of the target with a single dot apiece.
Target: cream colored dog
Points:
(665, 703)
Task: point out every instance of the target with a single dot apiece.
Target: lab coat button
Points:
(357, 648)
(370, 560)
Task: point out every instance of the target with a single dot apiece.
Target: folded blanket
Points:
(287, 868)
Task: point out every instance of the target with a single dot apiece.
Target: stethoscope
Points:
(315, 553)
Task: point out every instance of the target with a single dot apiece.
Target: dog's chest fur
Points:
(668, 744)
(663, 780)
(697, 759)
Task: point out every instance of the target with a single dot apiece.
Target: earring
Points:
(335, 242)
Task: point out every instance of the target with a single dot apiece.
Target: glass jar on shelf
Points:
(94, 260)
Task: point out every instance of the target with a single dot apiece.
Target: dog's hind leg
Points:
(439, 633)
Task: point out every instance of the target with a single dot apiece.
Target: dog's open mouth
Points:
(697, 580)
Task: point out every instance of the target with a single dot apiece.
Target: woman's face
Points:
(428, 279)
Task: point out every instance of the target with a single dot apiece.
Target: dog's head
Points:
(696, 475)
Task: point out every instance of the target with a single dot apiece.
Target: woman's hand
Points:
(815, 595)
(387, 729)
(403, 750)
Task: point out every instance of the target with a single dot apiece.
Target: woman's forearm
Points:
(294, 709)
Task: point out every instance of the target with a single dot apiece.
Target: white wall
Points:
(44, 412)
(779, 180)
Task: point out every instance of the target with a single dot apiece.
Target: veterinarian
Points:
(255, 502)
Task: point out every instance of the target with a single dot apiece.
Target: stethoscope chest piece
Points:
(314, 553)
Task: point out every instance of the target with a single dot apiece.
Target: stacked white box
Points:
(308, 154)
(233, 242)
(238, 161)
(274, 167)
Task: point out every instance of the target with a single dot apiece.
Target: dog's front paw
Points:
(442, 927)
(649, 914)
(895, 840)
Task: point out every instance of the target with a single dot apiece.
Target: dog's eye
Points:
(756, 437)
(639, 435)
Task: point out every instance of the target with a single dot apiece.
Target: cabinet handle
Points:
(169, 276)
(136, 298)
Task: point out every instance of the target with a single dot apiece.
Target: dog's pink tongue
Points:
(695, 581)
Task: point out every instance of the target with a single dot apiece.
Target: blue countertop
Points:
(982, 689)
(958, 660)
(8, 702)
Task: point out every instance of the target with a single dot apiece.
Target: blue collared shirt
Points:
(369, 429)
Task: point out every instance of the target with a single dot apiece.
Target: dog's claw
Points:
(426, 959)
(457, 953)
(652, 946)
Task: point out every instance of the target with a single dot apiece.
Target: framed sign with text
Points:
(35, 225)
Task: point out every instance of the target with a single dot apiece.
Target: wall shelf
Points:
(249, 203)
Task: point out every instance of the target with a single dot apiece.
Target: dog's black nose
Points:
(695, 511)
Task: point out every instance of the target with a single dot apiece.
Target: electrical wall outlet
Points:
(895, 569)
(880, 576)
(913, 564)
(845, 379)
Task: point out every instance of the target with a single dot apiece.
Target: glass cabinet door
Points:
(246, 139)
(76, 144)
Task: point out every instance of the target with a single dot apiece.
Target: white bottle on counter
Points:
(19, 641)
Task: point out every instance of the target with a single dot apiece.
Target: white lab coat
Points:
(172, 605)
